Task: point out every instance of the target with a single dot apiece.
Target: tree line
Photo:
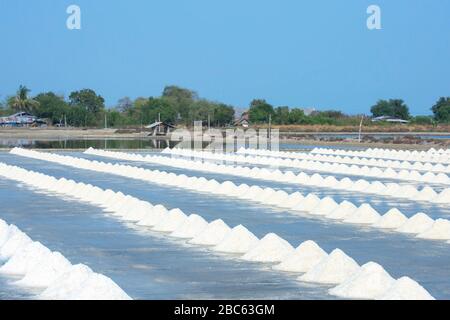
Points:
(180, 106)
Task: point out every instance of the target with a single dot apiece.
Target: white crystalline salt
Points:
(4, 232)
(213, 234)
(25, 258)
(293, 200)
(16, 240)
(67, 283)
(265, 195)
(171, 221)
(305, 256)
(192, 226)
(365, 214)
(271, 248)
(376, 187)
(333, 269)
(310, 201)
(369, 282)
(46, 271)
(238, 240)
(324, 207)
(153, 217)
(405, 289)
(136, 212)
(99, 287)
(440, 230)
(427, 193)
(277, 198)
(418, 223)
(391, 220)
(344, 209)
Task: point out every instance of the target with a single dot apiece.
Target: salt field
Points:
(184, 224)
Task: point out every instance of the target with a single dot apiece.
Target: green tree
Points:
(296, 116)
(392, 108)
(281, 115)
(88, 99)
(260, 110)
(182, 100)
(441, 110)
(223, 114)
(156, 108)
(51, 106)
(21, 102)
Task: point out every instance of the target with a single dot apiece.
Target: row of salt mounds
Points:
(51, 271)
(341, 168)
(307, 258)
(310, 204)
(422, 156)
(395, 164)
(390, 189)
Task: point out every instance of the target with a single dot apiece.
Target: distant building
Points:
(21, 119)
(308, 111)
(243, 120)
(389, 119)
(160, 128)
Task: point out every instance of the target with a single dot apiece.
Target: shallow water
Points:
(147, 265)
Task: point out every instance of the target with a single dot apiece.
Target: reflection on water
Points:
(86, 143)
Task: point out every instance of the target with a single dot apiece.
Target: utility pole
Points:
(106, 124)
(360, 129)
(209, 121)
(270, 131)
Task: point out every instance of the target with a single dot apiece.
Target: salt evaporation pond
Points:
(378, 202)
(424, 261)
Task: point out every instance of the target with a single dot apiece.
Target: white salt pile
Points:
(4, 232)
(24, 259)
(173, 220)
(293, 200)
(391, 220)
(238, 240)
(310, 201)
(99, 287)
(46, 271)
(365, 214)
(192, 226)
(213, 234)
(271, 248)
(16, 240)
(369, 282)
(154, 216)
(440, 230)
(305, 256)
(68, 282)
(405, 289)
(418, 223)
(344, 209)
(325, 207)
(333, 269)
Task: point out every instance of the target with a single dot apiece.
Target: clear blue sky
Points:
(297, 53)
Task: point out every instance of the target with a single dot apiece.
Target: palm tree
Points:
(21, 102)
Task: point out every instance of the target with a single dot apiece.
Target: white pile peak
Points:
(271, 248)
(369, 282)
(305, 256)
(238, 240)
(333, 269)
(418, 223)
(391, 220)
(405, 289)
(213, 234)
